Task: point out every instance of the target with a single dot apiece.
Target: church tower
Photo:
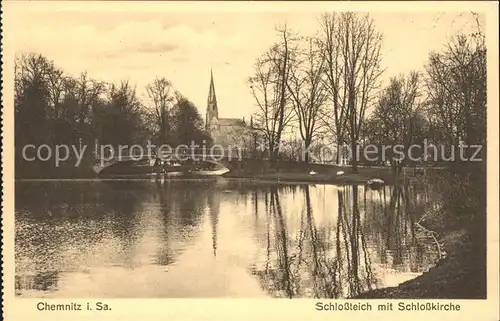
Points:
(212, 110)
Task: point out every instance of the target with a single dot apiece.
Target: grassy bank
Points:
(251, 169)
(313, 173)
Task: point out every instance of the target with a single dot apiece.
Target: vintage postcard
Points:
(250, 160)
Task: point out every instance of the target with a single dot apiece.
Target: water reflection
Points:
(212, 239)
(352, 249)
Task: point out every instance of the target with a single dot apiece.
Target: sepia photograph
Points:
(285, 153)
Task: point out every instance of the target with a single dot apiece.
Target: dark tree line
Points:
(53, 108)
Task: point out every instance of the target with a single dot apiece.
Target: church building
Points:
(227, 132)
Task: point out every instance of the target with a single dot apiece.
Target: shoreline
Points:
(251, 179)
(459, 275)
(295, 173)
(347, 179)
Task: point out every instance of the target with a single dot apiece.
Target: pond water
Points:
(216, 238)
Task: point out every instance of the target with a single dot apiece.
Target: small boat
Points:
(375, 183)
(147, 168)
(207, 168)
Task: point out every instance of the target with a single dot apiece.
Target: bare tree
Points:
(308, 92)
(269, 88)
(123, 110)
(456, 87)
(56, 85)
(335, 119)
(351, 47)
(87, 91)
(31, 97)
(397, 118)
(163, 95)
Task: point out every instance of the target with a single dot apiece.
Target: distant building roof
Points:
(232, 122)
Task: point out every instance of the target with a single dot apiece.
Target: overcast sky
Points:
(117, 41)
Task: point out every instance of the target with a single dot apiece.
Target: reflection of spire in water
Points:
(214, 208)
(256, 204)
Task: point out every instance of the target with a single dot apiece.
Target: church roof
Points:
(232, 122)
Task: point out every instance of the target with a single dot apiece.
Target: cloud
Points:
(183, 49)
(181, 59)
(140, 45)
(156, 47)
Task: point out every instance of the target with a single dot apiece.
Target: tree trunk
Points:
(354, 158)
(339, 152)
(307, 143)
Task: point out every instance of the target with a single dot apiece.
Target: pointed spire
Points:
(212, 110)
(211, 91)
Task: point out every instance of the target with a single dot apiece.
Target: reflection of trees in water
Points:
(58, 222)
(285, 276)
(316, 262)
(390, 221)
(55, 222)
(304, 256)
(181, 206)
(360, 275)
(335, 261)
(165, 205)
(40, 281)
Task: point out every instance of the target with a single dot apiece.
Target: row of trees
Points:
(52, 108)
(325, 86)
(328, 85)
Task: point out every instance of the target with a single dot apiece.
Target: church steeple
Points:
(212, 110)
(211, 91)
